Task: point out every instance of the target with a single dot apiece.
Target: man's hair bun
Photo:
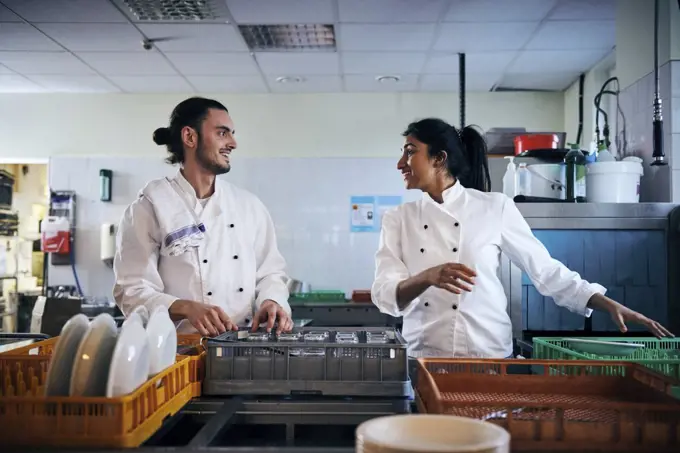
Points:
(161, 136)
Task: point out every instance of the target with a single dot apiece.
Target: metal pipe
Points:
(461, 74)
(658, 155)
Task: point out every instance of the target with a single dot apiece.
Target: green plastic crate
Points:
(319, 296)
(662, 356)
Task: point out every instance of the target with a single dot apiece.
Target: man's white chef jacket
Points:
(236, 267)
(472, 228)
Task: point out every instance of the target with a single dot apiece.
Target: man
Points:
(199, 246)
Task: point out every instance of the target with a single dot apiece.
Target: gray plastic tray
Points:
(237, 366)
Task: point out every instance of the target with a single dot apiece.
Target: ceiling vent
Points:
(175, 10)
(305, 37)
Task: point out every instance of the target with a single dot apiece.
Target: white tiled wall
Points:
(660, 184)
(308, 198)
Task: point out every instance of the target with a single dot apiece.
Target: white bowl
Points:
(431, 434)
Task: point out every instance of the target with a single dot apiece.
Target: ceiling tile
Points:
(228, 84)
(213, 63)
(451, 82)
(498, 11)
(20, 36)
(367, 83)
(590, 34)
(298, 63)
(543, 81)
(380, 37)
(534, 61)
(66, 10)
(18, 84)
(74, 84)
(95, 37)
(380, 63)
(128, 63)
(494, 62)
(311, 84)
(585, 10)
(391, 11)
(196, 37)
(8, 16)
(44, 63)
(278, 12)
(154, 84)
(481, 37)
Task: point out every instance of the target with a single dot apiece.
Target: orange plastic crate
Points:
(43, 350)
(571, 406)
(29, 419)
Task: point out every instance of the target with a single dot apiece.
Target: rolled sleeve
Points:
(270, 281)
(390, 269)
(550, 277)
(135, 263)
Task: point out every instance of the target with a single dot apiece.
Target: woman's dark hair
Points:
(465, 150)
(190, 112)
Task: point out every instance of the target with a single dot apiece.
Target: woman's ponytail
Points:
(474, 148)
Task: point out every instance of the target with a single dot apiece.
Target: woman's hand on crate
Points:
(208, 320)
(270, 312)
(622, 315)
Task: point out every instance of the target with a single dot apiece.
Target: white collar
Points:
(449, 195)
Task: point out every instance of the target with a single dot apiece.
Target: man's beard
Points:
(205, 162)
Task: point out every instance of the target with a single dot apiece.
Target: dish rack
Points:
(122, 422)
(566, 406)
(338, 361)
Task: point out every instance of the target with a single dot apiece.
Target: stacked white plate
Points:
(430, 434)
(95, 359)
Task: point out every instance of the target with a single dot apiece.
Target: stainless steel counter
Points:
(596, 216)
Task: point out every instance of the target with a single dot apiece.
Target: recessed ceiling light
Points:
(290, 79)
(388, 79)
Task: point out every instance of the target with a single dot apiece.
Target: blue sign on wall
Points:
(366, 212)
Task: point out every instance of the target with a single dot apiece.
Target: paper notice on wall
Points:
(366, 212)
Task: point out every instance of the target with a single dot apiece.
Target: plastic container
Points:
(613, 182)
(510, 178)
(315, 365)
(546, 180)
(565, 406)
(536, 141)
(82, 421)
(662, 356)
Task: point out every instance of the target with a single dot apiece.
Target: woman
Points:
(438, 257)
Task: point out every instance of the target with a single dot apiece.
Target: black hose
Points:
(581, 83)
(658, 155)
(461, 72)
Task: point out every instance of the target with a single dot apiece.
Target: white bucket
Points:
(613, 182)
(546, 180)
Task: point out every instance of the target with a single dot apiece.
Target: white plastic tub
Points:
(545, 180)
(613, 182)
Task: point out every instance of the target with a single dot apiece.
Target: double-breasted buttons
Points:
(209, 293)
(454, 306)
(240, 290)
(235, 257)
(205, 261)
(427, 304)
(422, 250)
(231, 225)
(455, 249)
(456, 224)
(425, 226)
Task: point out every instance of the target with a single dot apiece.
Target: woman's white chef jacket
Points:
(236, 267)
(472, 228)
